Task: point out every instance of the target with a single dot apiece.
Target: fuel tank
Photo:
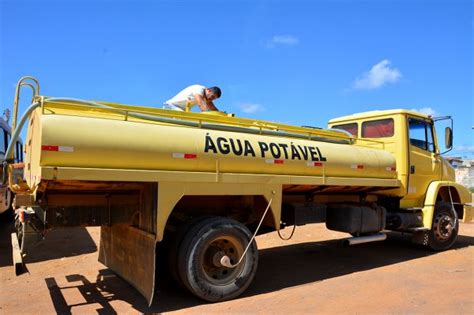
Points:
(70, 135)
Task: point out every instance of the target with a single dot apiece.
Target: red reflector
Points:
(22, 216)
(50, 148)
(318, 164)
(190, 156)
(279, 161)
(359, 167)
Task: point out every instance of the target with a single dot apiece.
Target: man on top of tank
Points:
(194, 95)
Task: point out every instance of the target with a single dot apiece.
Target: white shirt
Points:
(186, 96)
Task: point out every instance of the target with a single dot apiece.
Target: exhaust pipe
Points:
(365, 239)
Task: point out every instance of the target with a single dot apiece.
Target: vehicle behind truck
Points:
(196, 188)
(6, 196)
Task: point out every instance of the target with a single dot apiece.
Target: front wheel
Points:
(201, 251)
(445, 227)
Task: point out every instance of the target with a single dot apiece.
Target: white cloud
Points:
(469, 149)
(288, 40)
(427, 111)
(250, 108)
(379, 75)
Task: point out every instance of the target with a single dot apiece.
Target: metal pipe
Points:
(365, 239)
(9, 154)
(17, 131)
(17, 95)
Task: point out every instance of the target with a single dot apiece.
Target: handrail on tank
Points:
(23, 82)
(9, 154)
(262, 129)
(169, 114)
(190, 123)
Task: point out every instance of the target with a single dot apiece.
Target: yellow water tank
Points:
(75, 137)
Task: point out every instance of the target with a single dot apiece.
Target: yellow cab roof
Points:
(378, 113)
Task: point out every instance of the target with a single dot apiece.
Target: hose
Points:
(225, 260)
(7, 173)
(289, 237)
(17, 131)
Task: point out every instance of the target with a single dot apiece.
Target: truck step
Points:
(417, 229)
(16, 253)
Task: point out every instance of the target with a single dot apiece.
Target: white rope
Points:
(225, 260)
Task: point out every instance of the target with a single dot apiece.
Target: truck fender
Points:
(169, 194)
(459, 194)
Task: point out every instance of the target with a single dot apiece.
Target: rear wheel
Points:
(445, 227)
(175, 243)
(201, 251)
(8, 214)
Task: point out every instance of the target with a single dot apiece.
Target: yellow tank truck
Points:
(202, 185)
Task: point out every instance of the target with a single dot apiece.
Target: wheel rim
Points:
(212, 269)
(443, 227)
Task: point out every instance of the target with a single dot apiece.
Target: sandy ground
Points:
(312, 273)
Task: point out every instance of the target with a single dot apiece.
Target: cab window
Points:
(3, 141)
(421, 134)
(19, 152)
(351, 128)
(381, 128)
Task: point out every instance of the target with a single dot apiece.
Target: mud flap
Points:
(130, 253)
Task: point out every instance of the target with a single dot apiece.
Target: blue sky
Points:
(297, 62)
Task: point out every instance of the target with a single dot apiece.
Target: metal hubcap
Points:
(443, 227)
(213, 269)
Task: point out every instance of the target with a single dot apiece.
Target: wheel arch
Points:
(176, 200)
(445, 191)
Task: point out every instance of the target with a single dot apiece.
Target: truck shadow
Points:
(59, 243)
(294, 264)
(62, 242)
(6, 229)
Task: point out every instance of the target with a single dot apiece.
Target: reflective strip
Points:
(314, 163)
(274, 161)
(66, 149)
(357, 166)
(184, 156)
(391, 168)
(49, 148)
(57, 148)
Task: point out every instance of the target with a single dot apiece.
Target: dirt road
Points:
(312, 273)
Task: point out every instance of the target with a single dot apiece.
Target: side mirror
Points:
(448, 138)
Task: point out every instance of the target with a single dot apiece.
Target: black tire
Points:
(9, 214)
(199, 256)
(445, 227)
(174, 245)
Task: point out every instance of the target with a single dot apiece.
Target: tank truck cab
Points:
(427, 181)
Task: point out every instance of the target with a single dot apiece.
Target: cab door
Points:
(5, 195)
(425, 161)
